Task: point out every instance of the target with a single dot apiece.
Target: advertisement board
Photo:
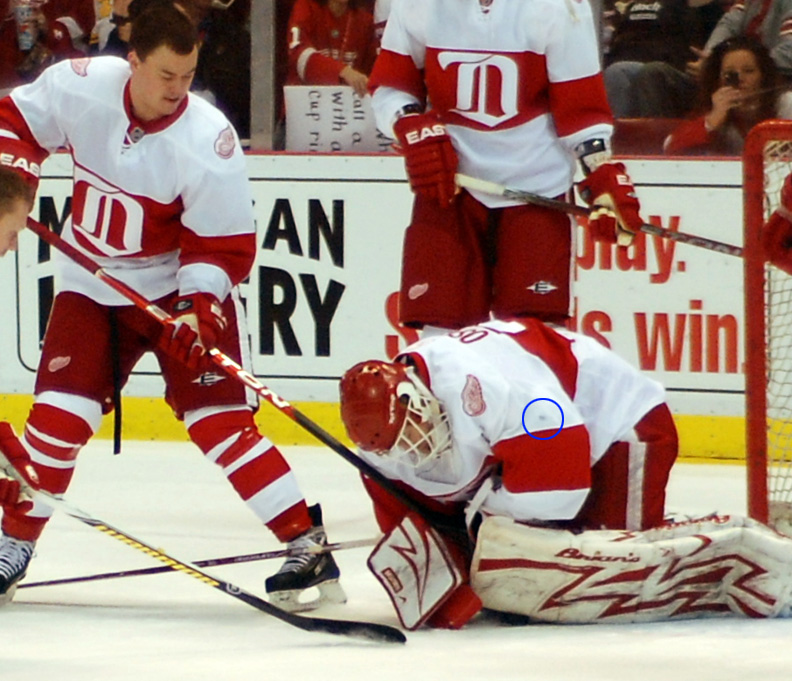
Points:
(322, 293)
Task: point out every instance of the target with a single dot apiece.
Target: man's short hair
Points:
(12, 188)
(162, 24)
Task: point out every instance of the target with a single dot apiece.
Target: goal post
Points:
(767, 160)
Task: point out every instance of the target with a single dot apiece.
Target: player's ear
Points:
(133, 59)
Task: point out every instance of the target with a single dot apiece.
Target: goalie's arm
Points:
(541, 480)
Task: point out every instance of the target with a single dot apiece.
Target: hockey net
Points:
(767, 161)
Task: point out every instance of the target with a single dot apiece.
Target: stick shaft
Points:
(367, 630)
(655, 230)
(209, 562)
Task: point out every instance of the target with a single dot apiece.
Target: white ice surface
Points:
(173, 627)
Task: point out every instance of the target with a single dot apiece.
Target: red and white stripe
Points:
(253, 465)
(58, 426)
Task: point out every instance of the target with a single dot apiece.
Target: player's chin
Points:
(169, 106)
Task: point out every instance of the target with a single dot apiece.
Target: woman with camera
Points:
(739, 88)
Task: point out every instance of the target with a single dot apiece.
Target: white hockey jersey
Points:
(544, 404)
(160, 206)
(518, 84)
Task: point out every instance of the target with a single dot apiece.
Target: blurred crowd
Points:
(701, 71)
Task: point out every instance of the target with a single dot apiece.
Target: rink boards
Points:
(321, 295)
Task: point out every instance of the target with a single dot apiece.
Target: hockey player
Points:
(558, 453)
(510, 92)
(161, 199)
(515, 419)
(15, 204)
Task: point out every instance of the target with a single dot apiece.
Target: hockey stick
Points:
(365, 630)
(528, 197)
(233, 369)
(209, 562)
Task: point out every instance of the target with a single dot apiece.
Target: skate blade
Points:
(8, 595)
(330, 591)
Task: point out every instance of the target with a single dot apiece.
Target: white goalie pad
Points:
(716, 566)
(415, 569)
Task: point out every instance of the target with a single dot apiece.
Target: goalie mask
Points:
(388, 410)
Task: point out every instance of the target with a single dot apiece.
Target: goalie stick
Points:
(234, 370)
(366, 630)
(528, 197)
(209, 562)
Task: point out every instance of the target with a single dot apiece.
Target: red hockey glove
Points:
(198, 324)
(16, 455)
(429, 156)
(777, 232)
(615, 216)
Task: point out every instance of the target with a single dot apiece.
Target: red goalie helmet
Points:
(371, 408)
(388, 410)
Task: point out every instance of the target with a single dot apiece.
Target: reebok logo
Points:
(542, 287)
(209, 378)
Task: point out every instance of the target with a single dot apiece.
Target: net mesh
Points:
(778, 337)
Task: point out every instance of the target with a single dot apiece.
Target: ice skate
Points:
(306, 571)
(15, 556)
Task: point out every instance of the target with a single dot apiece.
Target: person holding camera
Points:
(739, 87)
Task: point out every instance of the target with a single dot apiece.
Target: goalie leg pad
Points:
(717, 566)
(423, 576)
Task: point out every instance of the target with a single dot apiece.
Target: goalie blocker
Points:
(716, 566)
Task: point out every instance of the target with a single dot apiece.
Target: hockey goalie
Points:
(549, 457)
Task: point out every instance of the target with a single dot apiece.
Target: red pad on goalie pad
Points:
(422, 576)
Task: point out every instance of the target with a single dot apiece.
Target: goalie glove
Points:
(13, 453)
(429, 157)
(607, 188)
(777, 231)
(425, 576)
(197, 325)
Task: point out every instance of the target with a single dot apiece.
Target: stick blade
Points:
(369, 631)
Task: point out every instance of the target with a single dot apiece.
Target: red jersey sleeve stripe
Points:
(533, 465)
(233, 254)
(11, 119)
(397, 71)
(579, 104)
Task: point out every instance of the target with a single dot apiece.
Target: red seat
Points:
(641, 136)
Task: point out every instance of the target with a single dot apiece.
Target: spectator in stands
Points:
(770, 22)
(653, 32)
(662, 86)
(331, 42)
(60, 30)
(223, 74)
(117, 39)
(740, 87)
